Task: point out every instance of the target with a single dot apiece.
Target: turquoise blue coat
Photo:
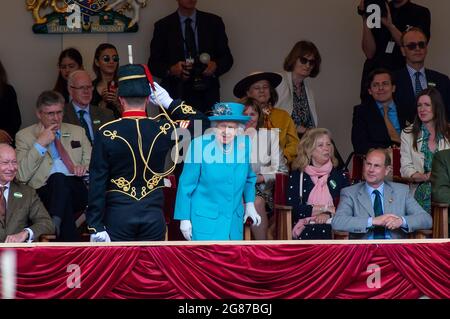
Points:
(213, 188)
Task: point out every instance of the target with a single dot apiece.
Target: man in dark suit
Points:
(79, 111)
(378, 209)
(127, 169)
(23, 217)
(189, 52)
(440, 177)
(382, 46)
(377, 123)
(414, 78)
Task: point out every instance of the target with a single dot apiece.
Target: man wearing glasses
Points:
(53, 157)
(79, 111)
(414, 78)
(381, 46)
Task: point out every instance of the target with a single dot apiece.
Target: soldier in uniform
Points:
(127, 167)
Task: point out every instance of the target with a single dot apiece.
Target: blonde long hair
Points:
(307, 145)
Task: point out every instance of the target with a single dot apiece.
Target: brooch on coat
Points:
(222, 109)
(333, 183)
(18, 195)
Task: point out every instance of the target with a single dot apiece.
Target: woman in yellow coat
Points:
(261, 87)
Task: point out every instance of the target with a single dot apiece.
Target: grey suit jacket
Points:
(25, 210)
(355, 208)
(99, 116)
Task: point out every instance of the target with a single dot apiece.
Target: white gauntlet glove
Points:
(186, 229)
(250, 211)
(101, 237)
(160, 96)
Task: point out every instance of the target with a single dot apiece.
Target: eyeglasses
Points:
(304, 60)
(413, 45)
(53, 114)
(84, 87)
(107, 58)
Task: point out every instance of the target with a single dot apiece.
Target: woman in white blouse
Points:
(429, 134)
(295, 95)
(267, 160)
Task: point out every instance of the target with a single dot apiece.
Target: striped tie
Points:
(3, 206)
(64, 156)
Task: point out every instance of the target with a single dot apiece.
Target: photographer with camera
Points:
(189, 52)
(381, 45)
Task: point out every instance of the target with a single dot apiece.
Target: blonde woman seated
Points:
(429, 134)
(314, 186)
(267, 160)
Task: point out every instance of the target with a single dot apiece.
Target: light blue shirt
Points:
(87, 118)
(370, 190)
(193, 17)
(392, 115)
(412, 75)
(58, 165)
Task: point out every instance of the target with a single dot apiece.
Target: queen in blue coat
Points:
(217, 180)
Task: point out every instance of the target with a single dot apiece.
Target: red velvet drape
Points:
(236, 271)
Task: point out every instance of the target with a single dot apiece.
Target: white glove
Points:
(160, 96)
(101, 237)
(250, 211)
(186, 229)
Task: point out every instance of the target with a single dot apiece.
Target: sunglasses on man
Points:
(413, 45)
(304, 61)
(107, 58)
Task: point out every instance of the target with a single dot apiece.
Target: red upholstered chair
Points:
(281, 213)
(396, 175)
(357, 161)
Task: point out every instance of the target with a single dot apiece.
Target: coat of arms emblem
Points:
(85, 16)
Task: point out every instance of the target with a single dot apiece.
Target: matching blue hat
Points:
(133, 81)
(229, 111)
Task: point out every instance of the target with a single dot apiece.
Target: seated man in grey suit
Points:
(79, 111)
(378, 209)
(23, 217)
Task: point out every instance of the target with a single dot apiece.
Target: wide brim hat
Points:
(229, 111)
(133, 81)
(241, 88)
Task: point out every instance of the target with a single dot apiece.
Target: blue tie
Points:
(418, 85)
(84, 124)
(378, 232)
(189, 38)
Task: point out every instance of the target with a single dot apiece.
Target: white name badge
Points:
(390, 47)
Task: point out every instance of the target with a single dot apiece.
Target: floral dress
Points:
(423, 191)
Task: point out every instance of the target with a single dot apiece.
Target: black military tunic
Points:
(127, 174)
